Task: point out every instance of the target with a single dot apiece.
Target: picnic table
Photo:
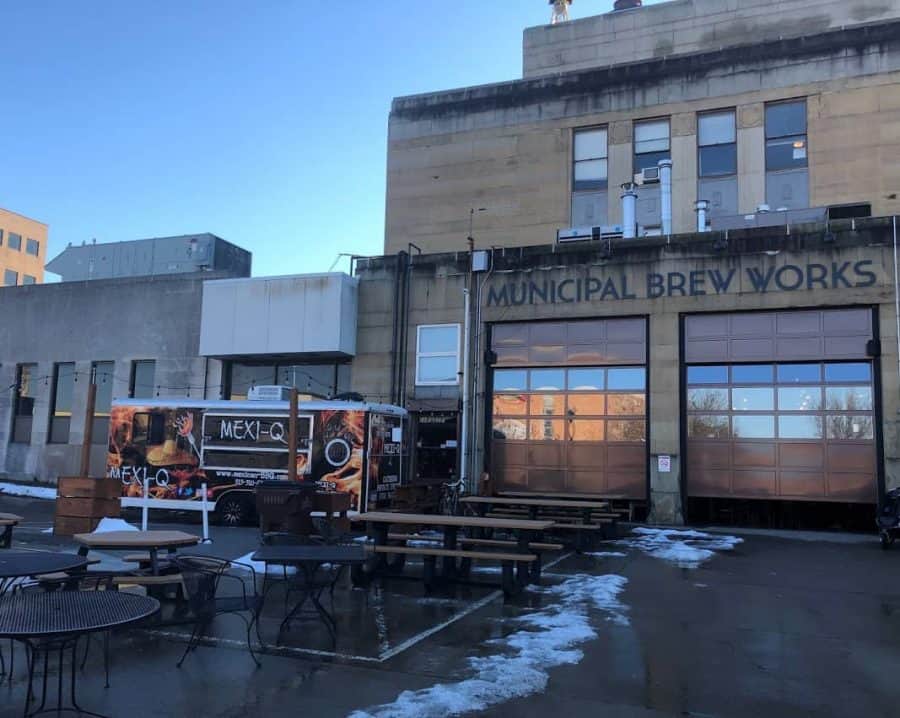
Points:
(526, 531)
(150, 541)
(7, 523)
(309, 561)
(55, 622)
(484, 503)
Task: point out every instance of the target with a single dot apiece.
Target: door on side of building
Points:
(781, 405)
(576, 423)
(436, 445)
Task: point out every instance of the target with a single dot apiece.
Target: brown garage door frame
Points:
(873, 352)
(487, 399)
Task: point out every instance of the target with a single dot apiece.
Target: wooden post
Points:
(88, 430)
(292, 437)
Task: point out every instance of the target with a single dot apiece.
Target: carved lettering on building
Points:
(697, 283)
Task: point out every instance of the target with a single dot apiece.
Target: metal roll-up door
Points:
(569, 407)
(781, 405)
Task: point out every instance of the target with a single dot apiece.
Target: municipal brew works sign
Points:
(786, 278)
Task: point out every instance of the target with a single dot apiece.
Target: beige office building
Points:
(23, 248)
(790, 103)
(682, 293)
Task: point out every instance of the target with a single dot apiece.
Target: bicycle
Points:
(450, 493)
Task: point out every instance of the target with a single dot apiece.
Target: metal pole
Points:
(145, 509)
(292, 437)
(205, 508)
(88, 429)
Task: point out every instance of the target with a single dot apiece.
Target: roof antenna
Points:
(560, 12)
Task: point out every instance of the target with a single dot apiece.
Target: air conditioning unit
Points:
(649, 175)
(585, 234)
(269, 393)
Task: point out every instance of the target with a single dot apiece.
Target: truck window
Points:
(149, 429)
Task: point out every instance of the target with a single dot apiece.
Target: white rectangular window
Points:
(589, 177)
(437, 354)
(787, 155)
(717, 162)
(651, 144)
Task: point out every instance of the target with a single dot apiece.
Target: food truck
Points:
(170, 448)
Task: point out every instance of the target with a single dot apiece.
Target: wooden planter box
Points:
(75, 487)
(82, 501)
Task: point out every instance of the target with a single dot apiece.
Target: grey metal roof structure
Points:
(183, 254)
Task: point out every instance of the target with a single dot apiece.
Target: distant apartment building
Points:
(23, 247)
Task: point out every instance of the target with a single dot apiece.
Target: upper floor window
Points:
(23, 403)
(651, 144)
(1, 237)
(717, 162)
(717, 140)
(786, 136)
(15, 241)
(437, 354)
(10, 278)
(103, 377)
(589, 177)
(28, 279)
(61, 402)
(787, 174)
(143, 378)
(32, 247)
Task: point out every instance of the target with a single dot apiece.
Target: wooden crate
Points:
(69, 525)
(81, 501)
(87, 507)
(87, 487)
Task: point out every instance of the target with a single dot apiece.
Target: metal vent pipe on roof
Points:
(629, 211)
(665, 193)
(701, 207)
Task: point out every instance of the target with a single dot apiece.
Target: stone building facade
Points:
(760, 364)
(697, 80)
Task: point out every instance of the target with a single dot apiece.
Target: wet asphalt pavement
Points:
(776, 627)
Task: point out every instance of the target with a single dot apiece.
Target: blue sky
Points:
(262, 121)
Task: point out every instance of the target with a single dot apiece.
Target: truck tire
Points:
(234, 509)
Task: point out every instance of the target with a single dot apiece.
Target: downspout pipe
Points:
(464, 439)
(665, 202)
(897, 294)
(629, 211)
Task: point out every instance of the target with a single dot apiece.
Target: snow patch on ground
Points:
(107, 524)
(684, 548)
(608, 554)
(47, 531)
(520, 667)
(34, 492)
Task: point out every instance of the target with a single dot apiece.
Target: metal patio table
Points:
(22, 564)
(48, 623)
(309, 560)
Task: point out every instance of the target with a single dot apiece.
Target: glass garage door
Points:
(578, 430)
(803, 431)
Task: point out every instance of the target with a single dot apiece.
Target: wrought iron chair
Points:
(202, 578)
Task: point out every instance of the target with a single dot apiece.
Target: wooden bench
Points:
(533, 545)
(8, 522)
(415, 537)
(515, 565)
